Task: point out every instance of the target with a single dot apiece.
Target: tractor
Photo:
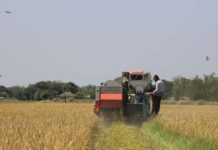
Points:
(126, 95)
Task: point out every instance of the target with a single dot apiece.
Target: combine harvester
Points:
(125, 96)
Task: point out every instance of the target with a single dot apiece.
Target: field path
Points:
(145, 136)
(123, 136)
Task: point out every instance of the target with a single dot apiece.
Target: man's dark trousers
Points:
(155, 104)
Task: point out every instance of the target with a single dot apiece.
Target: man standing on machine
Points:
(157, 95)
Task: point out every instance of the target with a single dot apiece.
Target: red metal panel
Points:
(97, 107)
(115, 97)
(110, 104)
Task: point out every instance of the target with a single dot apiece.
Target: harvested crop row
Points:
(121, 136)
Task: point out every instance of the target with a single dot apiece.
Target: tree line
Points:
(205, 88)
(47, 90)
(197, 88)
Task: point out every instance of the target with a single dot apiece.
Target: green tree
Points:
(88, 90)
(197, 89)
(79, 95)
(70, 86)
(168, 89)
(181, 87)
(42, 85)
(210, 87)
(55, 89)
(4, 92)
(37, 95)
(17, 92)
(45, 95)
(29, 92)
(177, 88)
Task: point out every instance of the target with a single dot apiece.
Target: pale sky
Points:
(91, 41)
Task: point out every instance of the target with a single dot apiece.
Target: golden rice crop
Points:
(200, 121)
(75, 126)
(46, 126)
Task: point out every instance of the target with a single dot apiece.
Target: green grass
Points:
(121, 136)
(174, 141)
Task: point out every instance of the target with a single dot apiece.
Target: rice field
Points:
(46, 126)
(59, 126)
(185, 127)
(196, 121)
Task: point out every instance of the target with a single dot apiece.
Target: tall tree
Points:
(168, 89)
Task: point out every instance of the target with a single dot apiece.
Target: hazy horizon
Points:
(88, 42)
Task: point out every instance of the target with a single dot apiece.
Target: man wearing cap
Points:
(157, 95)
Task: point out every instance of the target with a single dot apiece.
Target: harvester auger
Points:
(125, 95)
